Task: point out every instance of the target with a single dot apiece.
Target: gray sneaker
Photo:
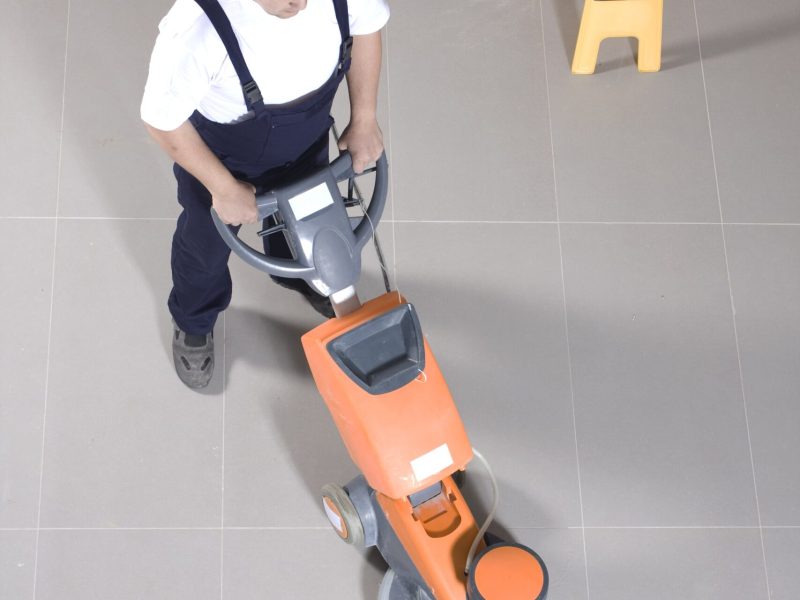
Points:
(193, 356)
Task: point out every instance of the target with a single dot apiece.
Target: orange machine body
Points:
(402, 441)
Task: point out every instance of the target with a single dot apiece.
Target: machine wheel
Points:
(342, 514)
(392, 588)
(385, 591)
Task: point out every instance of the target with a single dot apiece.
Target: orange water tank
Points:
(403, 440)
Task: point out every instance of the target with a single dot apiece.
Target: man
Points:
(239, 95)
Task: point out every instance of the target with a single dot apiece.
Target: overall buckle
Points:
(345, 53)
(251, 93)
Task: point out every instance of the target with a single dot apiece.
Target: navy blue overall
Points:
(276, 145)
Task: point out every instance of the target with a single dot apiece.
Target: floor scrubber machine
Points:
(390, 402)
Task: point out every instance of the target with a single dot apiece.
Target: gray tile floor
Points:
(606, 267)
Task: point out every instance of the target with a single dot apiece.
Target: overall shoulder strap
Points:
(221, 23)
(343, 19)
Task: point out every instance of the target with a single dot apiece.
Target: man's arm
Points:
(362, 137)
(233, 200)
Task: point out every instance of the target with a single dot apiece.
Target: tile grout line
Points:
(326, 528)
(732, 304)
(52, 302)
(222, 460)
(62, 218)
(442, 222)
(625, 223)
(670, 527)
(564, 297)
(211, 528)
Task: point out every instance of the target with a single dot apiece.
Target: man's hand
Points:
(236, 204)
(364, 141)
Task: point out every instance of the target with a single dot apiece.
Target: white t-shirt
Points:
(288, 58)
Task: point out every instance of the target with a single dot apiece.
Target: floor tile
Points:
(281, 445)
(562, 552)
(660, 415)
(27, 250)
(31, 119)
(297, 564)
(128, 565)
(766, 285)
(17, 554)
(660, 564)
(630, 146)
(752, 75)
(111, 167)
(783, 549)
(468, 112)
(496, 326)
(128, 445)
(470, 132)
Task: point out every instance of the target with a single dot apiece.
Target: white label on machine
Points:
(432, 462)
(335, 519)
(311, 201)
